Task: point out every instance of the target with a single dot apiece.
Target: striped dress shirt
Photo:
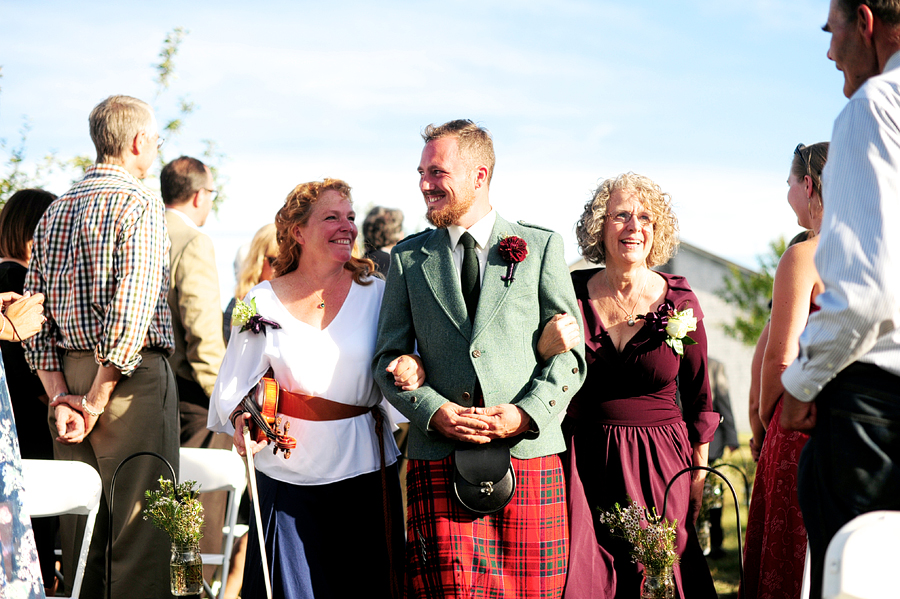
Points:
(858, 256)
(101, 258)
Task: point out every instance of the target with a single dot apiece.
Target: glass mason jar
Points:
(658, 584)
(185, 570)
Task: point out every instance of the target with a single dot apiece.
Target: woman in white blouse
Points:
(331, 517)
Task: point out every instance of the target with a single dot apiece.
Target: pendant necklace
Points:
(321, 304)
(629, 317)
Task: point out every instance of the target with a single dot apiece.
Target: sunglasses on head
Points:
(798, 151)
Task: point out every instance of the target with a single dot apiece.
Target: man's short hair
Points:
(181, 179)
(114, 123)
(887, 11)
(474, 142)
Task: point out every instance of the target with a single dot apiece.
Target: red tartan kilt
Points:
(519, 552)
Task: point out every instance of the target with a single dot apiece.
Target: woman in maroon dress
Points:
(775, 547)
(627, 437)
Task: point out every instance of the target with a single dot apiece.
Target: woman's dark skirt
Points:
(326, 541)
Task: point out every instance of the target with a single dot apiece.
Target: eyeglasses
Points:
(643, 219)
(159, 142)
(213, 192)
(798, 151)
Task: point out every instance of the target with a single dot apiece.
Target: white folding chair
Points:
(217, 470)
(56, 487)
(861, 558)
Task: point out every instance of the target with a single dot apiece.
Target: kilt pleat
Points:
(519, 552)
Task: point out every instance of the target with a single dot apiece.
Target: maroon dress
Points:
(627, 437)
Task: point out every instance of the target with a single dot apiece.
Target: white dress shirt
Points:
(187, 219)
(858, 256)
(481, 231)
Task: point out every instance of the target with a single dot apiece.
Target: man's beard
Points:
(451, 213)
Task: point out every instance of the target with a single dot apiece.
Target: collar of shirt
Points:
(187, 219)
(893, 62)
(105, 169)
(481, 231)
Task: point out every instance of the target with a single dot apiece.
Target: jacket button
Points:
(476, 353)
(466, 396)
(575, 370)
(412, 399)
(552, 402)
(565, 387)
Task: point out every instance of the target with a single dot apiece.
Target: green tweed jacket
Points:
(423, 310)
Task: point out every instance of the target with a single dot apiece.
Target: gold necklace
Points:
(629, 317)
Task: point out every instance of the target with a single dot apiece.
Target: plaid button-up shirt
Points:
(101, 258)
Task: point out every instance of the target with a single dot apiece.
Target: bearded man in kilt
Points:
(472, 297)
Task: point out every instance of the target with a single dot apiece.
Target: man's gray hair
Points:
(114, 123)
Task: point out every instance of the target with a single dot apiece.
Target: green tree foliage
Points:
(165, 70)
(18, 175)
(165, 73)
(751, 294)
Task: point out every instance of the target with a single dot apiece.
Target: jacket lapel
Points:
(493, 288)
(442, 279)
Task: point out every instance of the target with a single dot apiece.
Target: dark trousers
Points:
(851, 464)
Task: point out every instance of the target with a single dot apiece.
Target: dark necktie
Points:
(471, 283)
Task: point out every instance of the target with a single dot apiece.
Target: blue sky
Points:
(706, 98)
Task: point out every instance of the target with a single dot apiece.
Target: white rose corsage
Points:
(677, 328)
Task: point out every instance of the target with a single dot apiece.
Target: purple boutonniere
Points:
(246, 317)
(512, 249)
(657, 321)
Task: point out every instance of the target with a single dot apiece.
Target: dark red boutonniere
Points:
(513, 250)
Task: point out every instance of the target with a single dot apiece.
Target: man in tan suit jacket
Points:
(187, 189)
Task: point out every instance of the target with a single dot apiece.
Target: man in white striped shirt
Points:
(844, 387)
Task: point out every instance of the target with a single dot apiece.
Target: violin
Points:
(262, 405)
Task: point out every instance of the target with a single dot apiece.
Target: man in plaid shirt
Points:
(100, 257)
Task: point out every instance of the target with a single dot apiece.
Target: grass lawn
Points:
(726, 571)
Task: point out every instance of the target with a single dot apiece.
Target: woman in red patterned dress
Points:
(776, 538)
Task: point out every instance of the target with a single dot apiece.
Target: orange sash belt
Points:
(310, 407)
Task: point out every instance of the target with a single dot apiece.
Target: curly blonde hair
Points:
(590, 227)
(296, 211)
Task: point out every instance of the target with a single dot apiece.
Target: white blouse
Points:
(334, 363)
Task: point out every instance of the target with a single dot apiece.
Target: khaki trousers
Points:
(142, 415)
